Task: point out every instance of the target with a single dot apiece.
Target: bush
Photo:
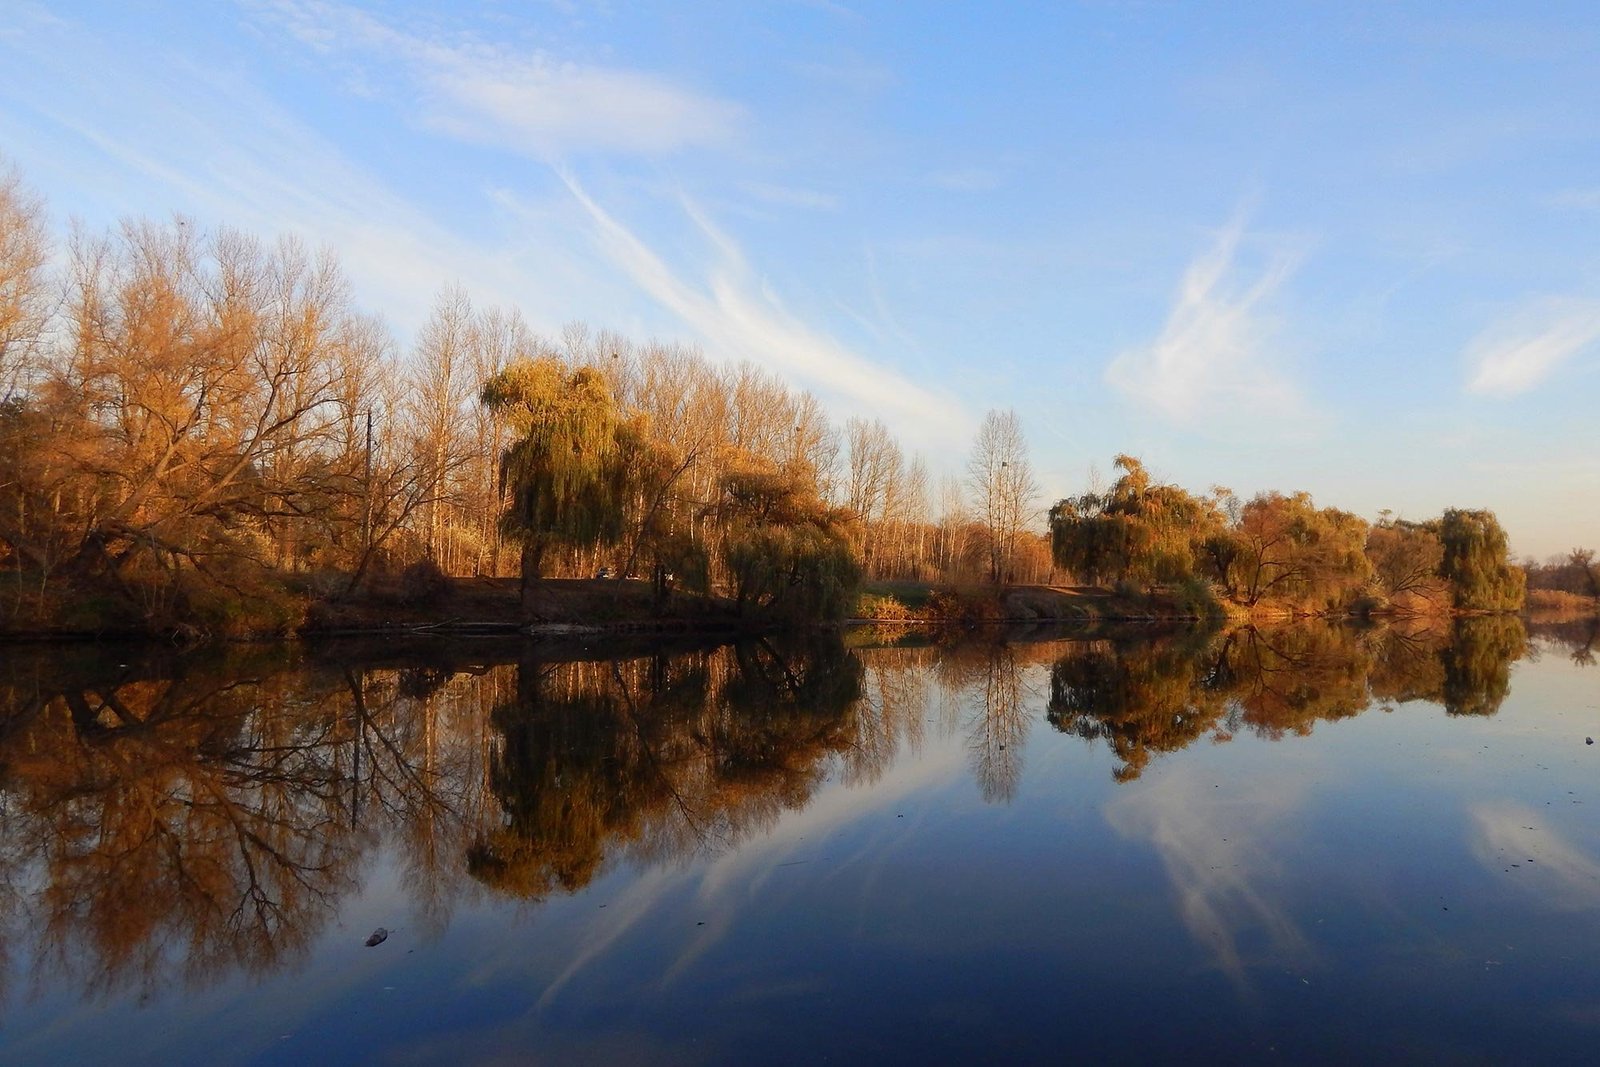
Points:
(1195, 596)
(966, 606)
(422, 583)
(883, 609)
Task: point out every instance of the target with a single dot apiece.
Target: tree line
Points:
(1281, 550)
(192, 422)
(203, 427)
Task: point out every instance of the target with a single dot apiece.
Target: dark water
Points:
(1302, 844)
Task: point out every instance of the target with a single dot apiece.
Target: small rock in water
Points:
(1588, 740)
(379, 936)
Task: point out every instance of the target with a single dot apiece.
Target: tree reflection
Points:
(1142, 697)
(1477, 663)
(659, 757)
(196, 817)
(1288, 678)
(1578, 638)
(175, 819)
(1145, 697)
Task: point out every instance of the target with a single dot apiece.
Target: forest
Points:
(201, 430)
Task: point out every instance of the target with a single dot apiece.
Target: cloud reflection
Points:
(1554, 869)
(1218, 853)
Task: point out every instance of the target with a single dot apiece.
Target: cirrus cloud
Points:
(1520, 351)
(1212, 355)
(529, 101)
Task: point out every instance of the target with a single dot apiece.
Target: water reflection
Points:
(1578, 639)
(661, 757)
(183, 817)
(1145, 697)
(170, 819)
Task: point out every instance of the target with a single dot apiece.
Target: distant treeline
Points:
(1569, 577)
(1281, 551)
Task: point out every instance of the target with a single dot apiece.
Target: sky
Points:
(1351, 248)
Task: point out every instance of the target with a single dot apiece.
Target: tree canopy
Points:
(1281, 549)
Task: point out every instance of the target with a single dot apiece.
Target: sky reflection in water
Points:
(1308, 842)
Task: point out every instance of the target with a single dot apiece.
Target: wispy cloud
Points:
(529, 101)
(882, 325)
(1519, 352)
(739, 316)
(151, 131)
(1213, 357)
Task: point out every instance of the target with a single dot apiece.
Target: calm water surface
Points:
(1300, 844)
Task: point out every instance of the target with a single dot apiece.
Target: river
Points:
(1306, 843)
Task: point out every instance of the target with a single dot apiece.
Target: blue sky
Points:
(1353, 249)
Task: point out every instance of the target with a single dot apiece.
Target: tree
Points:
(24, 290)
(1291, 550)
(1405, 559)
(197, 385)
(873, 470)
(1583, 572)
(559, 470)
(1476, 562)
(1000, 479)
(442, 390)
(498, 338)
(785, 550)
(1137, 531)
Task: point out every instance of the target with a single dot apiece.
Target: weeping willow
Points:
(561, 471)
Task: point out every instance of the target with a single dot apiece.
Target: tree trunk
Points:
(532, 562)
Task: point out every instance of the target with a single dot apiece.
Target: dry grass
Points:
(1557, 602)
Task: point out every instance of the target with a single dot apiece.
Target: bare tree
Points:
(442, 390)
(24, 291)
(1000, 478)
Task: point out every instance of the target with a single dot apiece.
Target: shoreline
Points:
(590, 608)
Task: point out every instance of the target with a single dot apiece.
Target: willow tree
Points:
(560, 472)
(1137, 531)
(1477, 564)
(784, 550)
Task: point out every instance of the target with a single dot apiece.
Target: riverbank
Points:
(579, 606)
(914, 603)
(442, 605)
(922, 602)
(560, 605)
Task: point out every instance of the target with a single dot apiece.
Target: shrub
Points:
(882, 608)
(1195, 596)
(422, 583)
